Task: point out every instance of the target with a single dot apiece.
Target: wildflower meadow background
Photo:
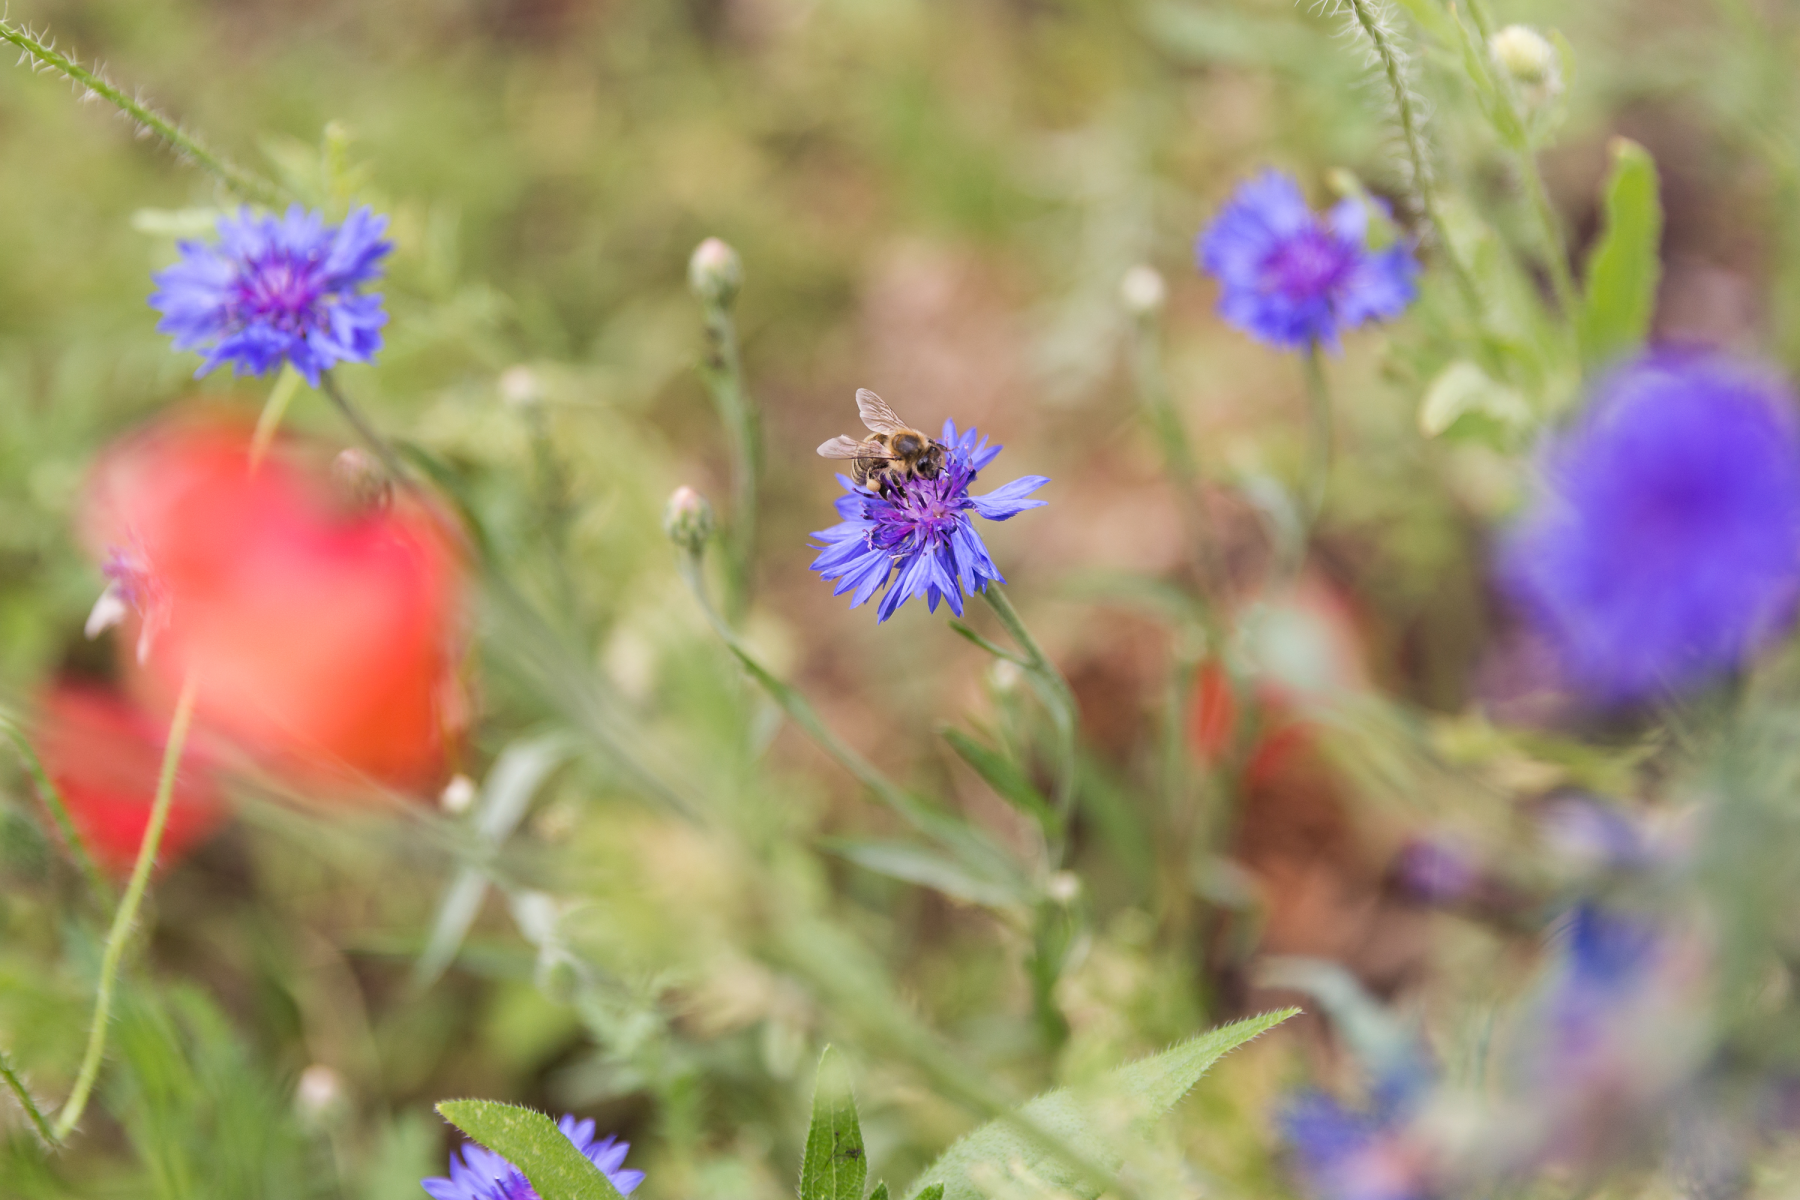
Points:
(1279, 678)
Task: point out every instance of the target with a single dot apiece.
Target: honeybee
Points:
(892, 453)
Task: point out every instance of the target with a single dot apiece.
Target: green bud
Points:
(688, 519)
(715, 272)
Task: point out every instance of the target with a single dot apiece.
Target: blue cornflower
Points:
(275, 289)
(920, 533)
(1667, 544)
(1342, 1154)
(1294, 278)
(483, 1175)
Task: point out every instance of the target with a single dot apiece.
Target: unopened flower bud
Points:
(1004, 676)
(715, 272)
(362, 480)
(688, 520)
(1527, 56)
(1143, 291)
(520, 387)
(321, 1097)
(1064, 887)
(457, 795)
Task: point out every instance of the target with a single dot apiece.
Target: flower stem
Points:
(1370, 16)
(1318, 410)
(723, 371)
(286, 384)
(23, 1095)
(126, 915)
(44, 56)
(1053, 690)
(390, 461)
(59, 811)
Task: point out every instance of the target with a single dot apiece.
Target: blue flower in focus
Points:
(277, 289)
(1294, 278)
(920, 535)
(1343, 1154)
(1667, 544)
(483, 1175)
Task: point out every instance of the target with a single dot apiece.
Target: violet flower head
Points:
(277, 289)
(919, 539)
(480, 1174)
(1295, 278)
(1342, 1154)
(1666, 544)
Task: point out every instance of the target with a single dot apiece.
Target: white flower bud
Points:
(1063, 887)
(1143, 291)
(520, 387)
(458, 795)
(688, 519)
(1529, 58)
(1005, 676)
(321, 1095)
(363, 480)
(715, 272)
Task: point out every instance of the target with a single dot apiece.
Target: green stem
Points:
(286, 384)
(1412, 131)
(23, 1095)
(126, 916)
(1054, 690)
(245, 183)
(723, 371)
(1319, 419)
(59, 811)
(390, 462)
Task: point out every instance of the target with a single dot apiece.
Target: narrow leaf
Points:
(916, 864)
(880, 1192)
(1145, 1090)
(1007, 778)
(1622, 271)
(1463, 389)
(531, 1142)
(833, 1167)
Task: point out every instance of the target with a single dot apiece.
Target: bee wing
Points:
(848, 447)
(876, 414)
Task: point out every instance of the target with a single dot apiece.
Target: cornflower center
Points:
(279, 290)
(1307, 265)
(923, 511)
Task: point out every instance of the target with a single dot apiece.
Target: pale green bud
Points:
(1529, 58)
(688, 519)
(715, 272)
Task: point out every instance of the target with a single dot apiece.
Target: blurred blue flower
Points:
(1605, 960)
(1294, 278)
(483, 1175)
(1343, 1154)
(275, 289)
(1667, 544)
(921, 534)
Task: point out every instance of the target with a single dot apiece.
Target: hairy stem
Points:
(126, 915)
(23, 1095)
(723, 371)
(44, 56)
(1056, 694)
(1412, 130)
(59, 811)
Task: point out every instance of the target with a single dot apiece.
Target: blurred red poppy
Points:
(324, 626)
(104, 754)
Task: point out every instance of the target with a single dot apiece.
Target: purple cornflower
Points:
(1666, 545)
(275, 289)
(483, 1175)
(1342, 1154)
(1295, 278)
(921, 530)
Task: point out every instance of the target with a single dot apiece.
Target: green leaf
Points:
(531, 1142)
(833, 1167)
(1622, 272)
(1081, 1120)
(916, 864)
(1007, 778)
(1463, 389)
(880, 1192)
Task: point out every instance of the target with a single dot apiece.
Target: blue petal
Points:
(1008, 500)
